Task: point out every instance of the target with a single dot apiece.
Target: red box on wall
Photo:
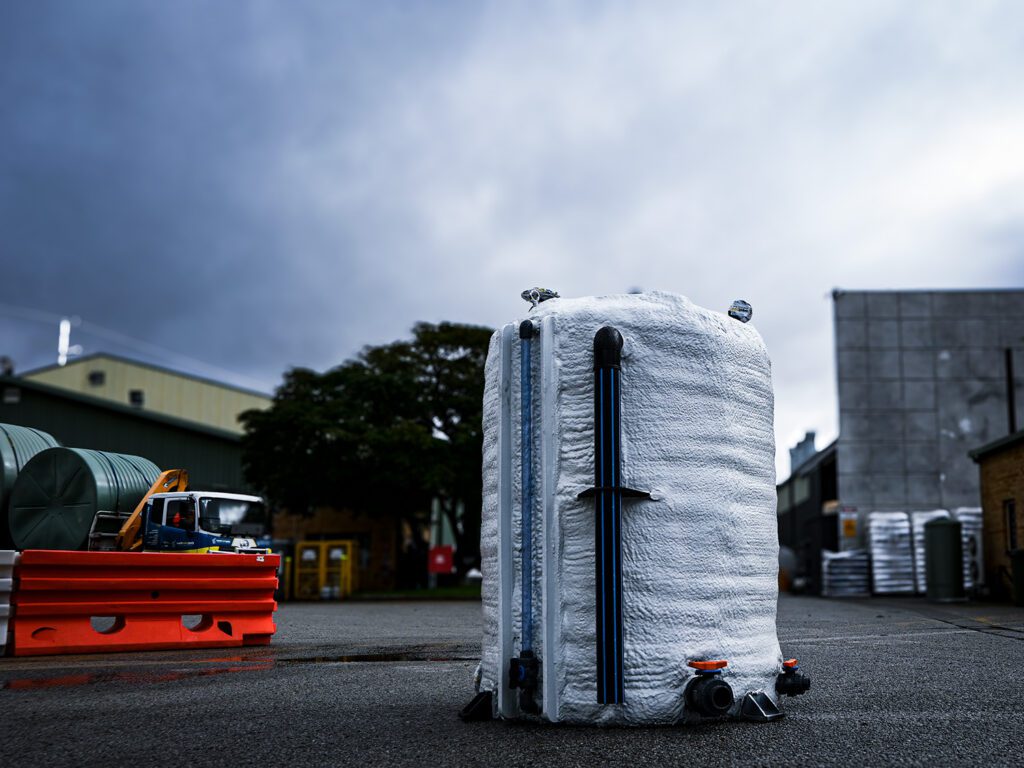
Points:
(441, 559)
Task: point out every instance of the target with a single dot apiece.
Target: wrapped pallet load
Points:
(629, 544)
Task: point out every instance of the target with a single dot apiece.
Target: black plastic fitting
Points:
(607, 348)
(709, 695)
(524, 671)
(524, 674)
(527, 330)
(527, 703)
(792, 683)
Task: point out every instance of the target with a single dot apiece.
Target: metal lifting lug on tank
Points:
(171, 518)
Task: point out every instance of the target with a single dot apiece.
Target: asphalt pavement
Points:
(895, 682)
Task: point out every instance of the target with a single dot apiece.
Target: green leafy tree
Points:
(384, 433)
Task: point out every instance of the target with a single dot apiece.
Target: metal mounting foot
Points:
(479, 709)
(758, 707)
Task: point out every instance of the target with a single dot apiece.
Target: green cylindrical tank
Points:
(944, 560)
(17, 446)
(59, 491)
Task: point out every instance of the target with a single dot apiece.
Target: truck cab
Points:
(199, 521)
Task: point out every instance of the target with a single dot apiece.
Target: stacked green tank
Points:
(17, 447)
(57, 494)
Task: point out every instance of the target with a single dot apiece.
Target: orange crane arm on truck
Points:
(129, 538)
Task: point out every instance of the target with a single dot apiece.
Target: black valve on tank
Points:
(790, 681)
(707, 693)
(524, 674)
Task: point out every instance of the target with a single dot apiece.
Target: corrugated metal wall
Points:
(213, 459)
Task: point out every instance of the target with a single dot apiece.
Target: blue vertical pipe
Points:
(608, 494)
(526, 332)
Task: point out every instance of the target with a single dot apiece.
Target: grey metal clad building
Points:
(922, 379)
(213, 457)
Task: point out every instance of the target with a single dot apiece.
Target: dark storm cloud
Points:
(264, 184)
(141, 151)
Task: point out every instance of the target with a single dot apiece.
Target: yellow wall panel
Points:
(164, 392)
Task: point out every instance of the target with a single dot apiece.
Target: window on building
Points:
(12, 395)
(1010, 516)
(97, 378)
(785, 498)
(137, 398)
(801, 490)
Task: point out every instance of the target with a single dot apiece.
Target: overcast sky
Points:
(233, 188)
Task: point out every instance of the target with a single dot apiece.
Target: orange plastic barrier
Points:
(96, 602)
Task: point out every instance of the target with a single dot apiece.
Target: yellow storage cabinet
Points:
(324, 570)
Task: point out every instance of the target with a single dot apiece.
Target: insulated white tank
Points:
(693, 567)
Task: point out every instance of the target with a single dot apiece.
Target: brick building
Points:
(377, 540)
(1001, 467)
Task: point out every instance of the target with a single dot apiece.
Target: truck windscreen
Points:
(218, 515)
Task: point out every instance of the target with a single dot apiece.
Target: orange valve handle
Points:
(708, 665)
(790, 664)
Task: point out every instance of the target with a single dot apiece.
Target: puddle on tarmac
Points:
(89, 678)
(239, 664)
(362, 658)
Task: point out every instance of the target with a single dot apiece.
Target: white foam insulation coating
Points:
(699, 561)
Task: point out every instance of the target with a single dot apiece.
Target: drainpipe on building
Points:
(1011, 393)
